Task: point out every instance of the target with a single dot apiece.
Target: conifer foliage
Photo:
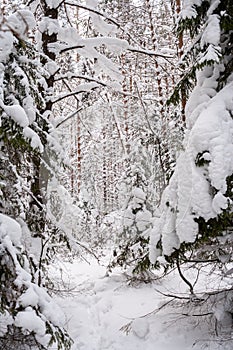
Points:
(28, 316)
(195, 215)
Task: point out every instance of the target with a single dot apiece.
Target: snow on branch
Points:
(113, 21)
(94, 10)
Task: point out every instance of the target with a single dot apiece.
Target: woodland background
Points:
(116, 133)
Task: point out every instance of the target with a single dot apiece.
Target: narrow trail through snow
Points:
(99, 306)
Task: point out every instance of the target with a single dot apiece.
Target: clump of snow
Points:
(9, 227)
(170, 240)
(21, 22)
(34, 138)
(188, 10)
(205, 89)
(128, 217)
(23, 277)
(155, 235)
(115, 44)
(70, 36)
(29, 298)
(17, 113)
(28, 319)
(5, 320)
(139, 194)
(211, 33)
(212, 53)
(28, 105)
(51, 67)
(143, 219)
(219, 203)
(135, 212)
(210, 140)
(6, 45)
(102, 62)
(49, 25)
(98, 21)
(213, 131)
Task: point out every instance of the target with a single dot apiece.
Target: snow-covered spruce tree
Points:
(28, 316)
(194, 220)
(132, 241)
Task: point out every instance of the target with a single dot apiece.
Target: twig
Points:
(87, 249)
(69, 117)
(174, 296)
(148, 52)
(184, 278)
(197, 315)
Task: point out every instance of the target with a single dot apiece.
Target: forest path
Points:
(99, 306)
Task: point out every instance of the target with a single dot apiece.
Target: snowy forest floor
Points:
(108, 312)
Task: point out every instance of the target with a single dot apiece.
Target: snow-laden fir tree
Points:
(194, 220)
(28, 315)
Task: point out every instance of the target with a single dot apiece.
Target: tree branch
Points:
(74, 113)
(92, 9)
(69, 117)
(148, 52)
(130, 49)
(173, 296)
(113, 21)
(74, 93)
(183, 277)
(77, 76)
(72, 48)
(100, 82)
